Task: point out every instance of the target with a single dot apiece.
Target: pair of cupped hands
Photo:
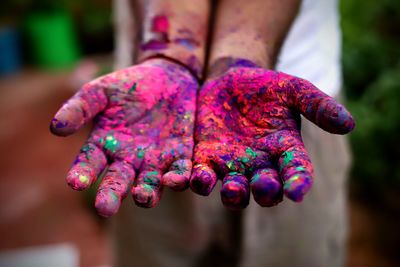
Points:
(155, 126)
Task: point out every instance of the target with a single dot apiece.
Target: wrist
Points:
(221, 65)
(170, 65)
(176, 30)
(178, 56)
(253, 50)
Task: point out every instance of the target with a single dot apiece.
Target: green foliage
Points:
(93, 15)
(371, 63)
(375, 141)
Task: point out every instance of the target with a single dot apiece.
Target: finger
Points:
(178, 176)
(148, 189)
(320, 108)
(87, 166)
(266, 187)
(296, 171)
(79, 110)
(203, 179)
(235, 192)
(114, 188)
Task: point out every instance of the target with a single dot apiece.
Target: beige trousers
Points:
(189, 230)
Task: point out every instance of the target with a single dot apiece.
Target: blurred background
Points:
(49, 48)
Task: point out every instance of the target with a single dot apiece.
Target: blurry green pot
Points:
(52, 40)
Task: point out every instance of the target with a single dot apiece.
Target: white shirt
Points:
(312, 49)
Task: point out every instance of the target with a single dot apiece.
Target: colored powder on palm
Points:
(111, 143)
(133, 88)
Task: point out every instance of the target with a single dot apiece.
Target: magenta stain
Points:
(143, 128)
(248, 120)
(154, 45)
(159, 39)
(160, 24)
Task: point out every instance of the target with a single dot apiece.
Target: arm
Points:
(143, 115)
(248, 116)
(174, 29)
(251, 29)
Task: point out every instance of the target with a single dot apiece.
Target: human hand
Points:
(143, 124)
(248, 133)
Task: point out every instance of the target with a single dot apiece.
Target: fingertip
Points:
(69, 118)
(297, 186)
(107, 203)
(60, 128)
(235, 193)
(145, 196)
(203, 180)
(80, 177)
(178, 177)
(346, 121)
(175, 181)
(335, 118)
(266, 187)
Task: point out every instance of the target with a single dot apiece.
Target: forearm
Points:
(175, 29)
(253, 30)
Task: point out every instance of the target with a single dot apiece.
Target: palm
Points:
(248, 128)
(144, 126)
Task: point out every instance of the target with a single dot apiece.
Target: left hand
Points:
(248, 133)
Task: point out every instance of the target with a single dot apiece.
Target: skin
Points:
(251, 29)
(143, 131)
(175, 29)
(143, 115)
(248, 134)
(248, 119)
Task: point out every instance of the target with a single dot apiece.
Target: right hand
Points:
(143, 124)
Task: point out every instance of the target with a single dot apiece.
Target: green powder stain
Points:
(83, 164)
(111, 143)
(300, 168)
(231, 165)
(232, 173)
(280, 139)
(148, 188)
(140, 153)
(179, 171)
(288, 157)
(244, 159)
(87, 150)
(147, 180)
(180, 168)
(289, 182)
(133, 88)
(251, 152)
(113, 196)
(255, 178)
(150, 179)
